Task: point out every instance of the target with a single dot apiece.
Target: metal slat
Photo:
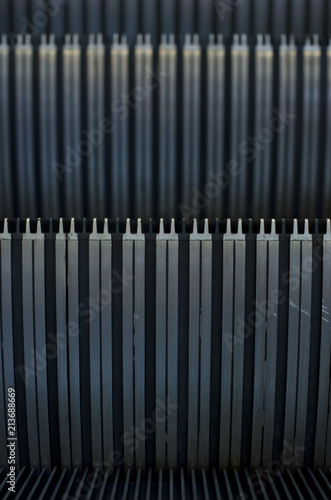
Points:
(6, 201)
(215, 123)
(193, 350)
(239, 125)
(311, 129)
(24, 126)
(73, 345)
(62, 355)
(98, 125)
(205, 343)
(172, 347)
(51, 172)
(191, 121)
(74, 148)
(271, 341)
(227, 348)
(167, 126)
(40, 346)
(238, 344)
(263, 133)
(285, 127)
(106, 343)
(327, 173)
(119, 55)
(29, 346)
(293, 338)
(304, 346)
(143, 54)
(260, 345)
(95, 345)
(139, 341)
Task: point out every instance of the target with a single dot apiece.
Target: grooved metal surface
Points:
(194, 346)
(104, 484)
(236, 129)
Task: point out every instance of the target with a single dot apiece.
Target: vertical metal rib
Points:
(271, 345)
(73, 345)
(239, 125)
(75, 149)
(143, 58)
(191, 119)
(161, 342)
(120, 121)
(95, 344)
(97, 126)
(50, 182)
(137, 488)
(62, 363)
(159, 491)
(128, 346)
(6, 199)
(205, 343)
(298, 337)
(106, 343)
(134, 341)
(311, 129)
(284, 126)
(6, 317)
(215, 123)
(167, 127)
(260, 344)
(172, 347)
(326, 208)
(194, 485)
(24, 127)
(40, 346)
(113, 491)
(193, 349)
(126, 484)
(267, 257)
(304, 345)
(29, 346)
(227, 347)
(325, 354)
(263, 133)
(238, 344)
(139, 340)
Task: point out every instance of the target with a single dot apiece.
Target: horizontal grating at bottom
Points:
(115, 485)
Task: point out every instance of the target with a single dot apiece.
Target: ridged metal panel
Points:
(167, 130)
(147, 395)
(115, 485)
